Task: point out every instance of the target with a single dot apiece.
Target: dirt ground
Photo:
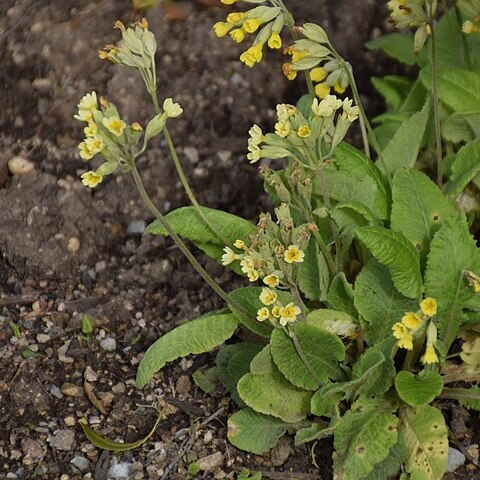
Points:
(67, 251)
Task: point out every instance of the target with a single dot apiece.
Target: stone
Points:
(455, 459)
(20, 166)
(69, 421)
(192, 154)
(32, 449)
(81, 463)
(56, 392)
(211, 462)
(136, 227)
(43, 338)
(108, 344)
(90, 375)
(63, 440)
(183, 385)
(73, 245)
(119, 388)
(120, 471)
(71, 390)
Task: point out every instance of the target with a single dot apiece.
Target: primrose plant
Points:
(363, 281)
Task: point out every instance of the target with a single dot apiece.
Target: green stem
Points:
(183, 248)
(297, 298)
(466, 47)
(436, 112)
(183, 178)
(333, 225)
(326, 253)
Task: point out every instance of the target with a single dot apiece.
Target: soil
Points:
(67, 251)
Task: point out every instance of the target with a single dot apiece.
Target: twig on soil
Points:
(186, 446)
(18, 299)
(213, 417)
(186, 407)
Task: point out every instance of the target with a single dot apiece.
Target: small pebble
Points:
(90, 375)
(81, 463)
(192, 154)
(183, 385)
(108, 344)
(56, 392)
(120, 471)
(69, 421)
(73, 245)
(63, 440)
(71, 390)
(210, 462)
(455, 459)
(136, 227)
(119, 388)
(43, 338)
(20, 166)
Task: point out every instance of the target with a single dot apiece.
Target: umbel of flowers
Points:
(414, 325)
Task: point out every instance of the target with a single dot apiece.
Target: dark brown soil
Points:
(67, 251)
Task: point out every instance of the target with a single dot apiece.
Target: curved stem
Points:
(183, 178)
(436, 112)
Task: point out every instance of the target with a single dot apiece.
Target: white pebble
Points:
(20, 166)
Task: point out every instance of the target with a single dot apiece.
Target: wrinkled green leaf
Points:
(418, 389)
(197, 336)
(465, 168)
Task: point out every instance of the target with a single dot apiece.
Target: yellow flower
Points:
(350, 111)
(229, 256)
(251, 25)
(221, 28)
(411, 320)
(237, 35)
(288, 314)
(91, 129)
(429, 306)
(338, 88)
(88, 102)
(91, 179)
(229, 2)
(137, 127)
(430, 355)
(292, 75)
(114, 125)
(252, 56)
(304, 131)
(240, 244)
(84, 115)
(404, 336)
(268, 297)
(282, 129)
(84, 151)
(275, 41)
(293, 254)
(263, 314)
(322, 90)
(253, 276)
(296, 54)
(318, 74)
(247, 264)
(235, 17)
(326, 107)
(173, 110)
(271, 280)
(276, 311)
(469, 27)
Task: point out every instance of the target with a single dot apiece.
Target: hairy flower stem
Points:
(183, 178)
(333, 225)
(436, 112)
(326, 253)
(181, 245)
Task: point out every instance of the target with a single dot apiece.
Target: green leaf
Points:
(419, 208)
(340, 295)
(416, 98)
(325, 401)
(363, 439)
(333, 321)
(107, 444)
(426, 441)
(313, 432)
(459, 89)
(394, 251)
(206, 380)
(465, 168)
(378, 302)
(272, 394)
(233, 362)
(245, 475)
(322, 350)
(263, 362)
(248, 298)
(187, 223)
(402, 151)
(390, 466)
(354, 162)
(87, 325)
(394, 89)
(467, 397)
(395, 45)
(444, 279)
(27, 353)
(198, 336)
(253, 432)
(314, 275)
(418, 389)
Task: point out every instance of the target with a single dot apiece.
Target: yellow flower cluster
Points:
(470, 27)
(277, 312)
(413, 325)
(267, 21)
